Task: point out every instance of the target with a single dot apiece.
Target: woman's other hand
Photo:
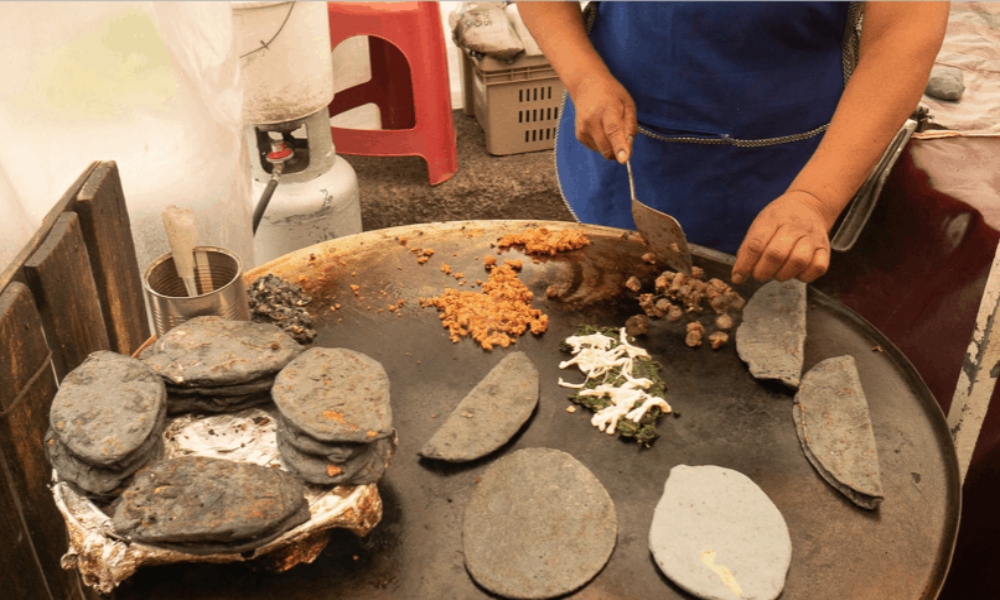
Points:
(605, 112)
(787, 239)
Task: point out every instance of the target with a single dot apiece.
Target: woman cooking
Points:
(735, 116)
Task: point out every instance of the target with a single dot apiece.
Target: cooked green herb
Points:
(644, 431)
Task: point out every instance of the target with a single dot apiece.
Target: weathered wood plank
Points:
(21, 575)
(28, 386)
(104, 220)
(22, 343)
(60, 279)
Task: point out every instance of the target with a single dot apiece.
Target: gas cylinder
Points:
(288, 82)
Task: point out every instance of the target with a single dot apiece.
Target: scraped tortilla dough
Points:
(771, 339)
(835, 430)
(718, 536)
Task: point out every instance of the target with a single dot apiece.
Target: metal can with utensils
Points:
(221, 291)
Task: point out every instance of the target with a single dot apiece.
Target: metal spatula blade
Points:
(662, 233)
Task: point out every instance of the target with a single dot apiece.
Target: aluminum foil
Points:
(105, 559)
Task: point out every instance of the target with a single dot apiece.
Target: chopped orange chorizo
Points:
(544, 241)
(495, 316)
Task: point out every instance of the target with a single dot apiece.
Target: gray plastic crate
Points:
(516, 104)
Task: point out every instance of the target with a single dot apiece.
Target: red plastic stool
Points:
(409, 83)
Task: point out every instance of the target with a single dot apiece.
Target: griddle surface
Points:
(727, 418)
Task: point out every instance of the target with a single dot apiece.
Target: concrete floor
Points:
(395, 190)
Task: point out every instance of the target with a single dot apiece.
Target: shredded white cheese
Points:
(595, 357)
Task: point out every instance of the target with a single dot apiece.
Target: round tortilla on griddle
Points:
(718, 536)
(107, 408)
(538, 525)
(212, 351)
(201, 500)
(335, 395)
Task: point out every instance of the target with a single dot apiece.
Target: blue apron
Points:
(734, 81)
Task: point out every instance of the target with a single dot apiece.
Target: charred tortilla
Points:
(206, 503)
(364, 465)
(335, 395)
(835, 430)
(212, 351)
(107, 408)
(96, 480)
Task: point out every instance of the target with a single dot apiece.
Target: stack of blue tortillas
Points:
(718, 536)
(212, 364)
(335, 426)
(490, 415)
(203, 505)
(106, 422)
(771, 338)
(835, 430)
(538, 525)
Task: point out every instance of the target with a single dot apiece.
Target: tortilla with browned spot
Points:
(365, 463)
(335, 395)
(717, 535)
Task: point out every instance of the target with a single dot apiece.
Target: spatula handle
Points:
(631, 183)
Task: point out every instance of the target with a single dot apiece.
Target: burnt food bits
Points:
(216, 365)
(335, 426)
(105, 422)
(274, 300)
(202, 505)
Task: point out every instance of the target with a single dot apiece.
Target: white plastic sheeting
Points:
(15, 226)
(152, 86)
(971, 44)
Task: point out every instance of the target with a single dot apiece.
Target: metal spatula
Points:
(662, 233)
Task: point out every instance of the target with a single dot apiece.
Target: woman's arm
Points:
(899, 42)
(605, 112)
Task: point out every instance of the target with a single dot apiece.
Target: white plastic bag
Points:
(530, 45)
(483, 28)
(152, 86)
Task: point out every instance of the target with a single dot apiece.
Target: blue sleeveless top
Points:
(708, 72)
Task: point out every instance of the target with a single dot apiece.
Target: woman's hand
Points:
(605, 112)
(605, 116)
(898, 45)
(787, 239)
